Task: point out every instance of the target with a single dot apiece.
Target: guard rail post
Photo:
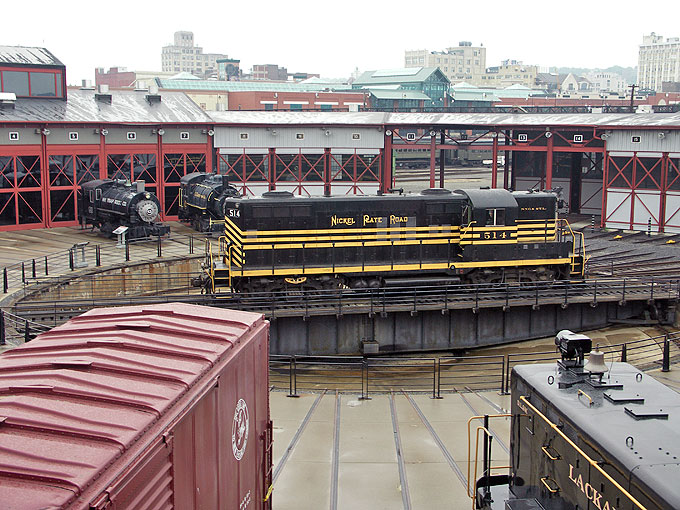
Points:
(364, 376)
(5, 286)
(2, 327)
(27, 332)
(127, 250)
(98, 255)
(651, 292)
(439, 378)
(47, 270)
(33, 268)
(70, 259)
(292, 379)
(191, 244)
(160, 249)
(434, 379)
(23, 273)
(666, 364)
(624, 353)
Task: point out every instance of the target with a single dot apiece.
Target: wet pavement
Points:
(396, 450)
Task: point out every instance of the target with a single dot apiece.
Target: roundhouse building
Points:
(48, 148)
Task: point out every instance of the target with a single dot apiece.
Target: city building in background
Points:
(458, 63)
(31, 72)
(228, 69)
(120, 77)
(184, 56)
(269, 72)
(658, 61)
(407, 88)
(510, 72)
(607, 82)
(311, 94)
(272, 72)
(574, 84)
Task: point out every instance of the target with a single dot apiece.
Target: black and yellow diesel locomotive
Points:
(201, 200)
(598, 435)
(278, 241)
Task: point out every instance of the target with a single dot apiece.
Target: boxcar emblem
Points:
(239, 429)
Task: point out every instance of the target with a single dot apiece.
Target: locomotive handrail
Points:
(590, 461)
(581, 245)
(470, 225)
(469, 463)
(488, 433)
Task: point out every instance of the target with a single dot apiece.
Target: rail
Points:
(439, 376)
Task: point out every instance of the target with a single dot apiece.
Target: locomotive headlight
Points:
(147, 195)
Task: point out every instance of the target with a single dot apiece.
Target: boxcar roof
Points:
(79, 396)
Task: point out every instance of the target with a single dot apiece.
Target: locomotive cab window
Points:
(495, 217)
(98, 194)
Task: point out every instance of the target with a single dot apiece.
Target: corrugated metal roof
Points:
(406, 75)
(126, 107)
(619, 120)
(76, 398)
(27, 55)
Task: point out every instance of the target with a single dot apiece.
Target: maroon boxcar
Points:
(139, 407)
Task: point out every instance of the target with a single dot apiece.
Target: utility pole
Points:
(632, 96)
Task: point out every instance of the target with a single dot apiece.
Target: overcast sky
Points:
(332, 38)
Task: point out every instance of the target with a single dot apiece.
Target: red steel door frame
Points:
(73, 151)
(16, 190)
(180, 168)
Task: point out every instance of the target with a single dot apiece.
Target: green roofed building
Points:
(402, 89)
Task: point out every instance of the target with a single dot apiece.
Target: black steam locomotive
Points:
(201, 200)
(600, 435)
(109, 204)
(279, 242)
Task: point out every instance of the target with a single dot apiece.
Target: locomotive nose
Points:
(147, 210)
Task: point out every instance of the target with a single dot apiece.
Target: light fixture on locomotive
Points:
(572, 347)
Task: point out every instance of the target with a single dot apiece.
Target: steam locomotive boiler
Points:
(202, 199)
(108, 204)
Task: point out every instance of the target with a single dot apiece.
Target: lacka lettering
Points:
(591, 493)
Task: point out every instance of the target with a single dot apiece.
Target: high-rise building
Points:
(658, 61)
(458, 63)
(183, 56)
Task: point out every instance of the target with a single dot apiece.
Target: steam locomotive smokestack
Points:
(140, 186)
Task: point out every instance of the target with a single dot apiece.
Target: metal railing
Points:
(88, 255)
(438, 376)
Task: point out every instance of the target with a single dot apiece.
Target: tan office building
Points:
(458, 63)
(183, 56)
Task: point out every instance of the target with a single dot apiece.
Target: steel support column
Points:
(433, 159)
(549, 163)
(442, 158)
(386, 181)
(663, 185)
(494, 162)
